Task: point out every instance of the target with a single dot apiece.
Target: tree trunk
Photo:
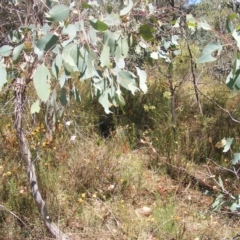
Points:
(19, 89)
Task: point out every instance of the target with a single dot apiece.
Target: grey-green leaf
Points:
(41, 81)
(105, 58)
(16, 52)
(98, 25)
(228, 144)
(209, 52)
(70, 57)
(70, 30)
(35, 108)
(3, 74)
(62, 79)
(236, 158)
(142, 79)
(112, 19)
(56, 65)
(235, 207)
(204, 25)
(126, 80)
(127, 9)
(104, 101)
(58, 13)
(218, 202)
(233, 78)
(5, 50)
(63, 97)
(235, 34)
(47, 42)
(229, 25)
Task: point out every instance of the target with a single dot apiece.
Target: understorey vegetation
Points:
(119, 119)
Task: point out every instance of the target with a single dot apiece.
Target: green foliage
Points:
(73, 59)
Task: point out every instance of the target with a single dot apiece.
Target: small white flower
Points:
(73, 137)
(68, 123)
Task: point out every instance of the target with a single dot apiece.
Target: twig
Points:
(192, 64)
(15, 216)
(223, 109)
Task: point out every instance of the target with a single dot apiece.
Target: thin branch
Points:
(223, 109)
(18, 218)
(193, 64)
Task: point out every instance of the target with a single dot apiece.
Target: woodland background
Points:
(152, 169)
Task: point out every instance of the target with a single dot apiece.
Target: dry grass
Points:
(93, 188)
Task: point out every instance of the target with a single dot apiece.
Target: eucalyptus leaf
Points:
(56, 65)
(146, 32)
(228, 144)
(236, 158)
(235, 207)
(104, 101)
(112, 19)
(35, 108)
(235, 34)
(191, 22)
(6, 50)
(218, 202)
(98, 25)
(204, 25)
(93, 36)
(142, 79)
(127, 9)
(16, 52)
(70, 56)
(209, 51)
(63, 97)
(229, 25)
(3, 74)
(70, 30)
(41, 81)
(233, 78)
(47, 42)
(126, 80)
(105, 57)
(119, 98)
(62, 79)
(58, 13)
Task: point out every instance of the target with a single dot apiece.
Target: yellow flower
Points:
(177, 218)
(83, 195)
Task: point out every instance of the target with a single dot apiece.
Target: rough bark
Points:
(19, 89)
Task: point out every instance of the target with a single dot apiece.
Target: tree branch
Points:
(20, 86)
